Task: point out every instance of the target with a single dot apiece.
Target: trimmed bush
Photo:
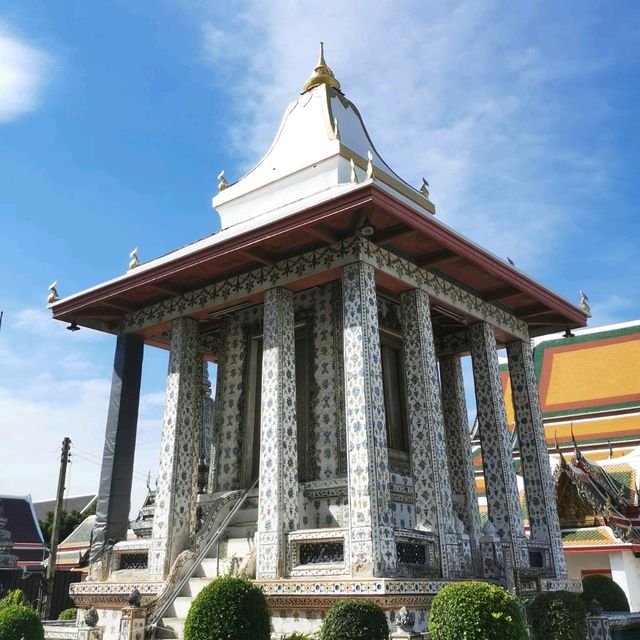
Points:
(354, 620)
(17, 622)
(476, 610)
(606, 591)
(558, 615)
(68, 614)
(230, 607)
(299, 636)
(15, 597)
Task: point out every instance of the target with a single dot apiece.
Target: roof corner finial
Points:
(53, 293)
(354, 175)
(322, 74)
(370, 174)
(577, 452)
(135, 260)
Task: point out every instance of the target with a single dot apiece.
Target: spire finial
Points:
(322, 74)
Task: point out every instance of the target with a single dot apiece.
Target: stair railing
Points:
(159, 613)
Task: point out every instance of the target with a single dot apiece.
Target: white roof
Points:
(321, 132)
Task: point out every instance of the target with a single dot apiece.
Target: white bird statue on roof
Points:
(135, 261)
(53, 293)
(424, 189)
(222, 181)
(584, 304)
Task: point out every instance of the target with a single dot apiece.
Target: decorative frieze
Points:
(538, 482)
(319, 260)
(499, 473)
(372, 544)
(278, 503)
(430, 471)
(174, 518)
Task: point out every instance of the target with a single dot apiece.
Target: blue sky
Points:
(115, 119)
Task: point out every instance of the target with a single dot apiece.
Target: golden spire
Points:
(322, 74)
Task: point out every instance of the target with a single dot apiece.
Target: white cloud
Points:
(53, 384)
(23, 71)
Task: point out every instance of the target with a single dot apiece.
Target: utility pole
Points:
(55, 531)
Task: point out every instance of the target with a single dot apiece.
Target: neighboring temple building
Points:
(337, 307)
(81, 504)
(8, 560)
(590, 396)
(19, 529)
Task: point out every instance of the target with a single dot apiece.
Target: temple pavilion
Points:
(337, 456)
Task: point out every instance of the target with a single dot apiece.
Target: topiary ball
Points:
(68, 614)
(18, 622)
(476, 610)
(230, 607)
(606, 591)
(558, 615)
(354, 620)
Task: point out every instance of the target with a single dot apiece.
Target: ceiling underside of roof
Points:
(414, 236)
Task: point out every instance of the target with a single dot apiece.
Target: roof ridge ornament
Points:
(322, 74)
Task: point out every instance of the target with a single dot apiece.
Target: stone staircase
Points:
(234, 544)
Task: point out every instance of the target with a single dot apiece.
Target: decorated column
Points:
(434, 508)
(499, 474)
(538, 482)
(458, 444)
(278, 502)
(372, 544)
(229, 415)
(174, 516)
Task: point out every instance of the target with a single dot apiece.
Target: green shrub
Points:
(606, 591)
(354, 620)
(15, 597)
(299, 636)
(476, 610)
(68, 614)
(230, 607)
(17, 622)
(558, 615)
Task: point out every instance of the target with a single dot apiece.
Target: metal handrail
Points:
(159, 613)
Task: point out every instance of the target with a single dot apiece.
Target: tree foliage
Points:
(476, 610)
(16, 597)
(354, 620)
(558, 615)
(68, 522)
(229, 607)
(606, 591)
(18, 622)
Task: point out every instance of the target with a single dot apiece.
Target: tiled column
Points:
(174, 517)
(434, 508)
(278, 501)
(372, 545)
(538, 482)
(499, 473)
(459, 454)
(229, 420)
